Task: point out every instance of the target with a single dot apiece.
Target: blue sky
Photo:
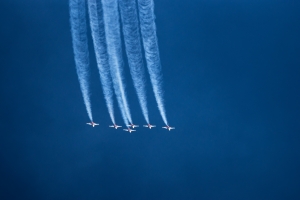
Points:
(231, 82)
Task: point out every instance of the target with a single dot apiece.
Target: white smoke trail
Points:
(134, 50)
(113, 41)
(98, 35)
(148, 30)
(80, 48)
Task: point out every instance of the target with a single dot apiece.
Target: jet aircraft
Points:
(149, 126)
(132, 125)
(128, 129)
(168, 127)
(92, 124)
(115, 126)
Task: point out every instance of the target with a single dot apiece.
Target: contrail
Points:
(80, 48)
(148, 30)
(132, 40)
(113, 41)
(98, 35)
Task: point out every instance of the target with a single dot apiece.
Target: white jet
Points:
(149, 126)
(115, 126)
(132, 125)
(92, 124)
(129, 130)
(168, 127)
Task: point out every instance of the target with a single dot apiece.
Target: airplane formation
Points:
(129, 126)
(136, 19)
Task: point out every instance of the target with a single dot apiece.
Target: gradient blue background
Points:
(231, 81)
